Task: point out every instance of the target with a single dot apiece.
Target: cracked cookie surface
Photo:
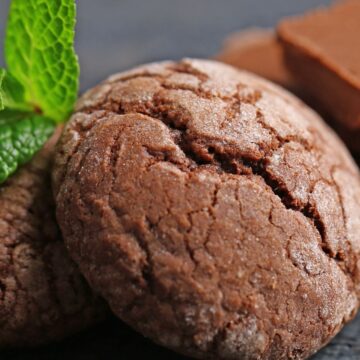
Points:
(43, 296)
(215, 212)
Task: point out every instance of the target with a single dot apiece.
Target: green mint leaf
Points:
(39, 52)
(2, 74)
(11, 93)
(21, 136)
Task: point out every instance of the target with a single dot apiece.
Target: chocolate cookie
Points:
(215, 212)
(43, 297)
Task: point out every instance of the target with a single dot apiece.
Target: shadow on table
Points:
(109, 340)
(113, 340)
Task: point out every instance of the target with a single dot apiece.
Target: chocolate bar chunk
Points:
(257, 50)
(322, 50)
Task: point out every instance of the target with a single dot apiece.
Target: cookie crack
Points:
(349, 268)
(216, 156)
(239, 164)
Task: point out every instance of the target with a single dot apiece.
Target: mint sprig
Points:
(40, 85)
(21, 135)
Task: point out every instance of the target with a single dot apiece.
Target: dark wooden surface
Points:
(113, 35)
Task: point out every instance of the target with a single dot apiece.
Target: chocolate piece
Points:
(247, 50)
(43, 297)
(257, 50)
(322, 49)
(215, 212)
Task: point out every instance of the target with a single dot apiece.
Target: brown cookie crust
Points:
(43, 297)
(216, 213)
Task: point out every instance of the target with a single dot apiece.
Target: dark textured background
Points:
(113, 35)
